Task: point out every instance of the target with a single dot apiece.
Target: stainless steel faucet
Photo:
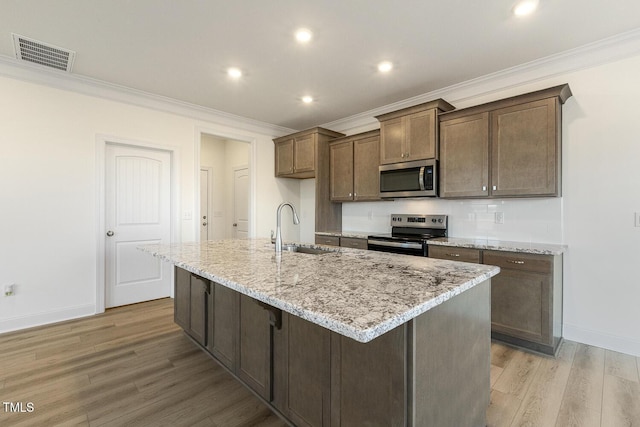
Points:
(278, 224)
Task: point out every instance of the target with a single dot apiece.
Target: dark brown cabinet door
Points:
(198, 309)
(303, 372)
(254, 347)
(521, 296)
(366, 176)
(284, 157)
(420, 136)
(392, 141)
(182, 298)
(223, 325)
(464, 156)
(341, 181)
(525, 149)
(304, 154)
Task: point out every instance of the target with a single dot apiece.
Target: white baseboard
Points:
(601, 339)
(29, 321)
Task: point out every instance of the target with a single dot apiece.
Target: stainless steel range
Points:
(409, 234)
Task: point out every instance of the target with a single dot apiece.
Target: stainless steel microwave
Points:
(409, 179)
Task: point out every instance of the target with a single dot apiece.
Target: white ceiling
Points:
(181, 48)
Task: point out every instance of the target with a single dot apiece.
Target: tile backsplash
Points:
(526, 220)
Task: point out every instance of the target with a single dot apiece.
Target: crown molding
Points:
(608, 50)
(12, 68)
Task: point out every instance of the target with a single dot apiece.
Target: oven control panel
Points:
(419, 221)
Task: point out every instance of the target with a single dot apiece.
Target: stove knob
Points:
(433, 220)
(440, 220)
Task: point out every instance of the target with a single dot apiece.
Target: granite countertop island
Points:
(352, 337)
(356, 293)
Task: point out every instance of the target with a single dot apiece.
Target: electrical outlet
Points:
(637, 219)
(187, 215)
(499, 217)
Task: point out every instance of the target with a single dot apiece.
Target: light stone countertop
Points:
(499, 245)
(357, 293)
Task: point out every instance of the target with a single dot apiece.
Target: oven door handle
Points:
(421, 178)
(406, 245)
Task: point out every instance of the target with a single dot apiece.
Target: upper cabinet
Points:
(296, 156)
(507, 148)
(354, 167)
(411, 133)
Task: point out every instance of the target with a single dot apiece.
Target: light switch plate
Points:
(499, 216)
(637, 219)
(187, 215)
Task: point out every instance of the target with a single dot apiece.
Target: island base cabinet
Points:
(254, 347)
(368, 381)
(450, 362)
(302, 368)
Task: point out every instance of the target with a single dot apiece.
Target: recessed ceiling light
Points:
(307, 99)
(385, 66)
(525, 7)
(303, 35)
(234, 72)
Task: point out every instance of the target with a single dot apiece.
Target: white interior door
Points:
(204, 205)
(138, 211)
(241, 203)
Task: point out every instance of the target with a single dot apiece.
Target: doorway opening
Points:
(225, 188)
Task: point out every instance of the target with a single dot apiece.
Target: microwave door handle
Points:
(421, 178)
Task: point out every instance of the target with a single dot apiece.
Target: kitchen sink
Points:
(307, 250)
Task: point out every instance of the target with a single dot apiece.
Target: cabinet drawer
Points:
(328, 240)
(455, 254)
(518, 261)
(352, 242)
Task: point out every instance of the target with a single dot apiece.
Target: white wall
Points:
(48, 194)
(595, 216)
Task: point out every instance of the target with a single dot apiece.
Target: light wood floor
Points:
(134, 366)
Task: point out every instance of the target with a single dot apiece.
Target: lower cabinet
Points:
(192, 298)
(234, 328)
(254, 347)
(302, 356)
(526, 297)
(409, 376)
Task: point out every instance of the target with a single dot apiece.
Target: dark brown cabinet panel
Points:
(328, 240)
(284, 157)
(254, 347)
(353, 242)
(354, 167)
(368, 381)
(191, 304)
(525, 149)
(223, 325)
(303, 372)
(464, 156)
(506, 148)
(526, 299)
(455, 254)
(182, 299)
(341, 160)
(411, 133)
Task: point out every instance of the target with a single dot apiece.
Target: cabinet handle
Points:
(484, 188)
(454, 255)
(402, 155)
(495, 187)
(515, 262)
(349, 194)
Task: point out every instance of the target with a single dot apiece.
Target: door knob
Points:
(110, 233)
(204, 224)
(235, 224)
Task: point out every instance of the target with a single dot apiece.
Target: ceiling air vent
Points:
(43, 54)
